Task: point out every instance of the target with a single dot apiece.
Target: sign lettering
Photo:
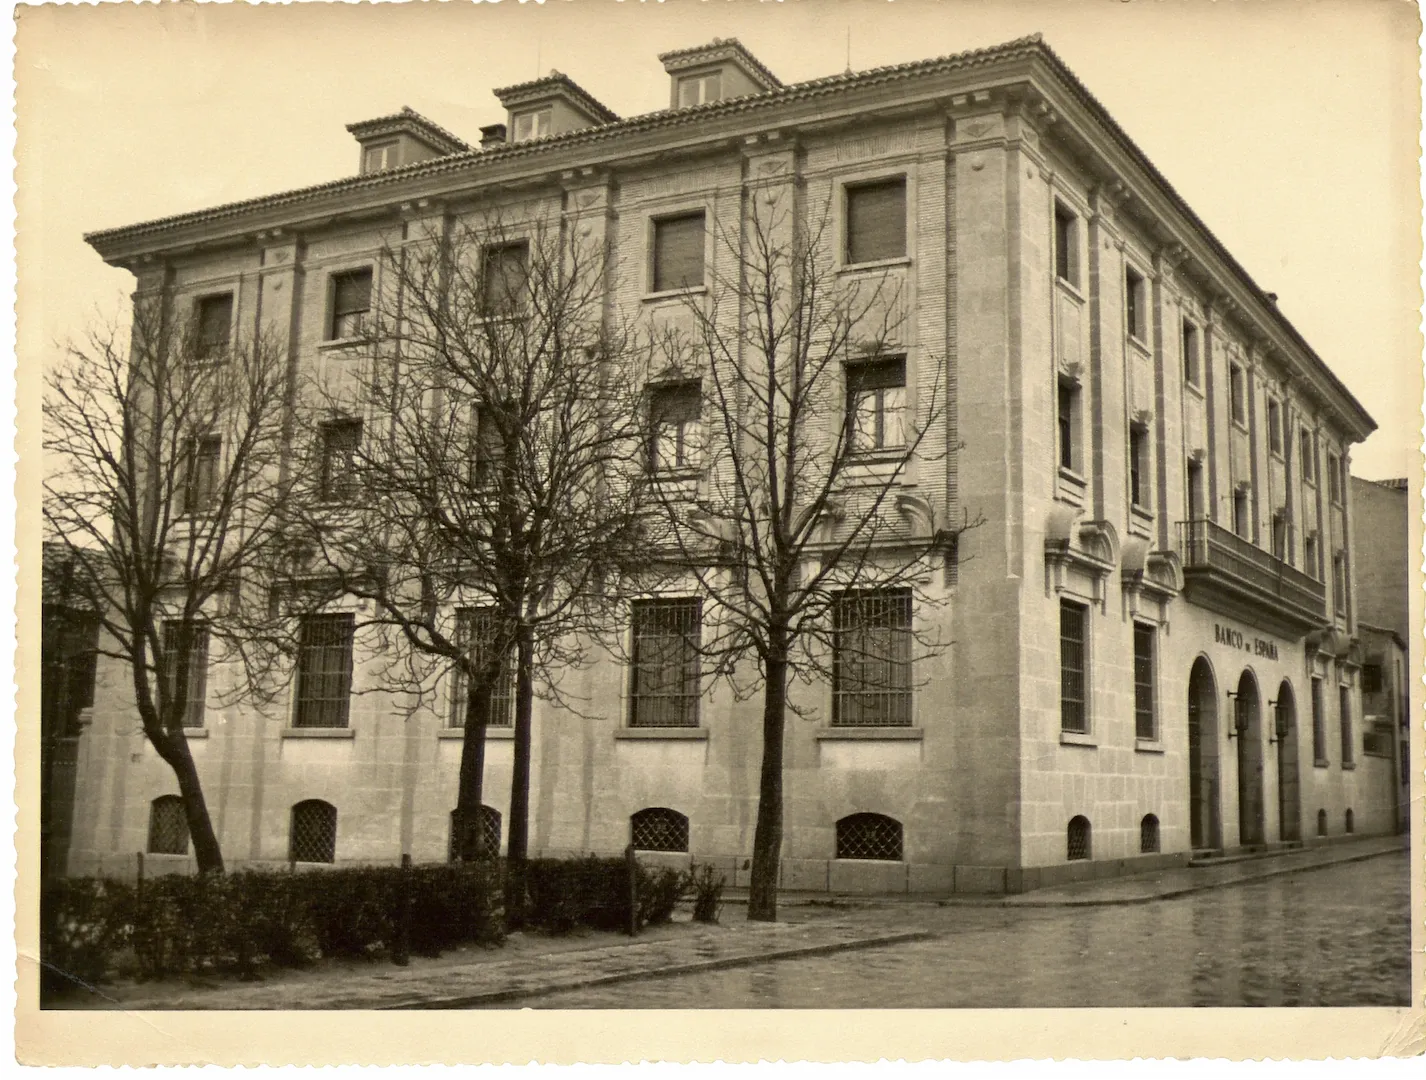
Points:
(1235, 639)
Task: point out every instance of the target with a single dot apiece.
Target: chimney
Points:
(492, 135)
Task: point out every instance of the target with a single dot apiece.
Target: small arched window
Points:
(168, 826)
(489, 825)
(313, 836)
(869, 836)
(1077, 838)
(1149, 834)
(657, 828)
(1322, 823)
(1351, 821)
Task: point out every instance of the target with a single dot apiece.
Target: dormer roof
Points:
(409, 122)
(556, 86)
(721, 51)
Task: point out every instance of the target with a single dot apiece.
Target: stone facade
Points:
(1048, 279)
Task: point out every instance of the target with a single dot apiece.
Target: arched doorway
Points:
(1248, 724)
(1289, 790)
(1205, 828)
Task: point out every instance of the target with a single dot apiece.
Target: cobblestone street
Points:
(1333, 937)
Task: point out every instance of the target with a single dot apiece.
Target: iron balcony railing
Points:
(1206, 545)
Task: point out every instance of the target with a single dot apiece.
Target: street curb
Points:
(493, 997)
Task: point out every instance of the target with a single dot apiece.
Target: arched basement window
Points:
(657, 828)
(313, 837)
(1149, 834)
(1322, 823)
(1351, 821)
(869, 836)
(1077, 838)
(168, 826)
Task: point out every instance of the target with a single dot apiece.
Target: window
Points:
(665, 685)
(699, 89)
(1192, 373)
(313, 834)
(1242, 524)
(657, 828)
(1371, 678)
(1139, 466)
(1319, 725)
(202, 461)
(174, 632)
(340, 441)
(1148, 835)
(1136, 312)
(678, 252)
(1195, 490)
(876, 220)
(1310, 561)
(1067, 419)
(876, 399)
(488, 448)
(474, 629)
(324, 671)
(1237, 395)
(215, 320)
(675, 412)
(1274, 427)
(1339, 583)
(534, 124)
(1350, 821)
(1280, 530)
(1344, 708)
(1309, 470)
(871, 658)
(1066, 245)
(1073, 712)
(1145, 719)
(1321, 822)
(1377, 740)
(869, 836)
(168, 826)
(1077, 845)
(504, 278)
(487, 830)
(1334, 478)
(351, 303)
(379, 158)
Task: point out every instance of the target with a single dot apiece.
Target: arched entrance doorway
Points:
(1247, 723)
(1289, 791)
(1205, 829)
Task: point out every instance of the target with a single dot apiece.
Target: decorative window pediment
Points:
(1150, 578)
(1089, 549)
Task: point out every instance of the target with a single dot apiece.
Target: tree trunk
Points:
(195, 808)
(767, 837)
(519, 832)
(467, 834)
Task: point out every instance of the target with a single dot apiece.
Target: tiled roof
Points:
(680, 57)
(556, 81)
(410, 118)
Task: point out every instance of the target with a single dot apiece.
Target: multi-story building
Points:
(1151, 633)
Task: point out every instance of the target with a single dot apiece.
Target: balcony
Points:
(1227, 574)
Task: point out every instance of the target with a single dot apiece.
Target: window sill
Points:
(869, 734)
(1321, 763)
(1193, 388)
(1349, 766)
(1070, 476)
(1277, 456)
(1140, 519)
(503, 731)
(643, 734)
(875, 264)
(319, 733)
(1078, 738)
(1240, 425)
(1070, 287)
(195, 733)
(1139, 343)
(1148, 746)
(341, 343)
(655, 296)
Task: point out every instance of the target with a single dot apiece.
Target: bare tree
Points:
(495, 494)
(800, 532)
(164, 480)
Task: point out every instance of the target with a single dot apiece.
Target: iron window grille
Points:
(313, 837)
(876, 220)
(351, 304)
(202, 458)
(678, 252)
(214, 318)
(475, 628)
(505, 278)
(196, 698)
(1073, 714)
(1321, 822)
(657, 828)
(665, 683)
(1344, 705)
(871, 658)
(324, 671)
(676, 415)
(1077, 840)
(876, 404)
(168, 826)
(869, 836)
(341, 439)
(488, 822)
(1149, 835)
(1145, 721)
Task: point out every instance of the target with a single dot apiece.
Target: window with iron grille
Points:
(340, 441)
(1344, 706)
(202, 458)
(313, 836)
(168, 826)
(876, 220)
(876, 404)
(1066, 244)
(1190, 353)
(1136, 308)
(1073, 712)
(664, 683)
(324, 671)
(1077, 838)
(351, 304)
(174, 633)
(1319, 725)
(657, 828)
(869, 836)
(676, 414)
(1350, 821)
(678, 252)
(214, 318)
(505, 277)
(488, 823)
(1321, 822)
(871, 658)
(1146, 725)
(1148, 835)
(475, 628)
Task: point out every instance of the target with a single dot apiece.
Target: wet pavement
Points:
(1338, 936)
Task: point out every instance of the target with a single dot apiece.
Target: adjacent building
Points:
(1154, 633)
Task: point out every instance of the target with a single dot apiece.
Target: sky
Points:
(1290, 126)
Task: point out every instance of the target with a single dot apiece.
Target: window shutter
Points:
(678, 252)
(876, 221)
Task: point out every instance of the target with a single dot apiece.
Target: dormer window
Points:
(534, 124)
(379, 158)
(699, 89)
